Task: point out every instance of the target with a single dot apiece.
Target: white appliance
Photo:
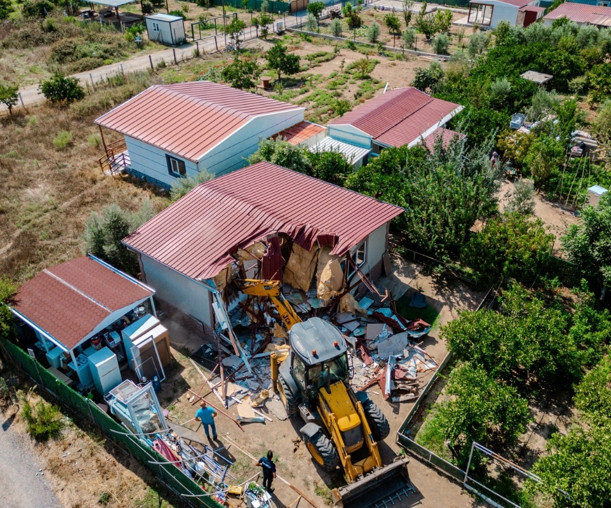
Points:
(82, 370)
(135, 330)
(105, 370)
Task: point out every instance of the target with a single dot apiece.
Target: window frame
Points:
(175, 162)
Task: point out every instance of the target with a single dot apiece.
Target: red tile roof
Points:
(197, 234)
(70, 300)
(399, 116)
(188, 119)
(300, 132)
(597, 15)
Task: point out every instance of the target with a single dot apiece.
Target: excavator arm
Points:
(271, 289)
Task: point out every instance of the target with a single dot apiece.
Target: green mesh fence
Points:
(85, 409)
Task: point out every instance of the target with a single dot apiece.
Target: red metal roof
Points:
(517, 3)
(188, 119)
(399, 116)
(446, 136)
(597, 15)
(300, 132)
(197, 234)
(70, 300)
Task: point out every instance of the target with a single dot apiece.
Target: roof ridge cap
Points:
(77, 290)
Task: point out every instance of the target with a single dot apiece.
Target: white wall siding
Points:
(231, 153)
(151, 161)
(376, 245)
(178, 290)
(350, 134)
(503, 12)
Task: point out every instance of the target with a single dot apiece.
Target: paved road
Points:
(22, 481)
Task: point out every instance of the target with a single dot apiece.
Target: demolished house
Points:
(322, 244)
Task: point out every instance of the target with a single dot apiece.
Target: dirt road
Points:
(22, 481)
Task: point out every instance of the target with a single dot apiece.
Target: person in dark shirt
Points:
(269, 470)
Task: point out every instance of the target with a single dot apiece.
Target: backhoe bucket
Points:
(383, 487)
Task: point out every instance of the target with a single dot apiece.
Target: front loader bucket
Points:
(381, 488)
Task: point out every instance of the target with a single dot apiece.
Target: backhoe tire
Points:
(377, 421)
(291, 404)
(323, 451)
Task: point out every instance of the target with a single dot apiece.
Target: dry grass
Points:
(47, 193)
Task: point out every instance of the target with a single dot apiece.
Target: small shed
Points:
(594, 194)
(166, 29)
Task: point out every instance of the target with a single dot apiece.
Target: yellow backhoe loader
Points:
(342, 428)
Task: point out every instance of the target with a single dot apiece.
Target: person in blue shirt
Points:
(269, 470)
(206, 414)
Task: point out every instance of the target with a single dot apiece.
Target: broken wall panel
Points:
(272, 262)
(300, 267)
(329, 275)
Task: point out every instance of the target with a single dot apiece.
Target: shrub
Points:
(37, 8)
(6, 7)
(182, 186)
(43, 420)
(409, 38)
(147, 8)
(61, 89)
(354, 21)
(311, 23)
(522, 201)
(499, 91)
(441, 43)
(336, 27)
(85, 64)
(478, 44)
(373, 32)
(62, 140)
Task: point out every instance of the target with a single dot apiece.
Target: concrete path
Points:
(22, 481)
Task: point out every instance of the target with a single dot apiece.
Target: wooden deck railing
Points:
(116, 158)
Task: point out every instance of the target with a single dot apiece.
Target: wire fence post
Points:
(151, 62)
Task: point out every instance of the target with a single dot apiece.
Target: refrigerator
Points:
(105, 370)
(135, 330)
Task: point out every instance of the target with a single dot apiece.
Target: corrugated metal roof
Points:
(188, 119)
(69, 300)
(397, 117)
(351, 152)
(597, 15)
(446, 136)
(300, 132)
(197, 234)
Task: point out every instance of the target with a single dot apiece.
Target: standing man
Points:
(206, 414)
(269, 470)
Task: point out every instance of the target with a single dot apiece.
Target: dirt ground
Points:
(293, 460)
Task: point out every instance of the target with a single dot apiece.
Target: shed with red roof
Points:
(264, 216)
(177, 130)
(403, 116)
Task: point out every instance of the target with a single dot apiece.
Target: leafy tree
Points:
(441, 44)
(543, 103)
(347, 10)
(330, 166)
(545, 154)
(588, 245)
(373, 32)
(443, 193)
(315, 9)
(354, 21)
(234, 29)
(60, 89)
(515, 146)
(500, 89)
(428, 79)
(6, 7)
(279, 59)
(393, 24)
(593, 396)
(37, 8)
(284, 154)
(601, 127)
(183, 186)
(525, 343)
(7, 290)
(311, 23)
(242, 73)
(496, 419)
(407, 12)
(443, 21)
(362, 67)
(513, 246)
(8, 96)
(103, 234)
(263, 21)
(425, 22)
